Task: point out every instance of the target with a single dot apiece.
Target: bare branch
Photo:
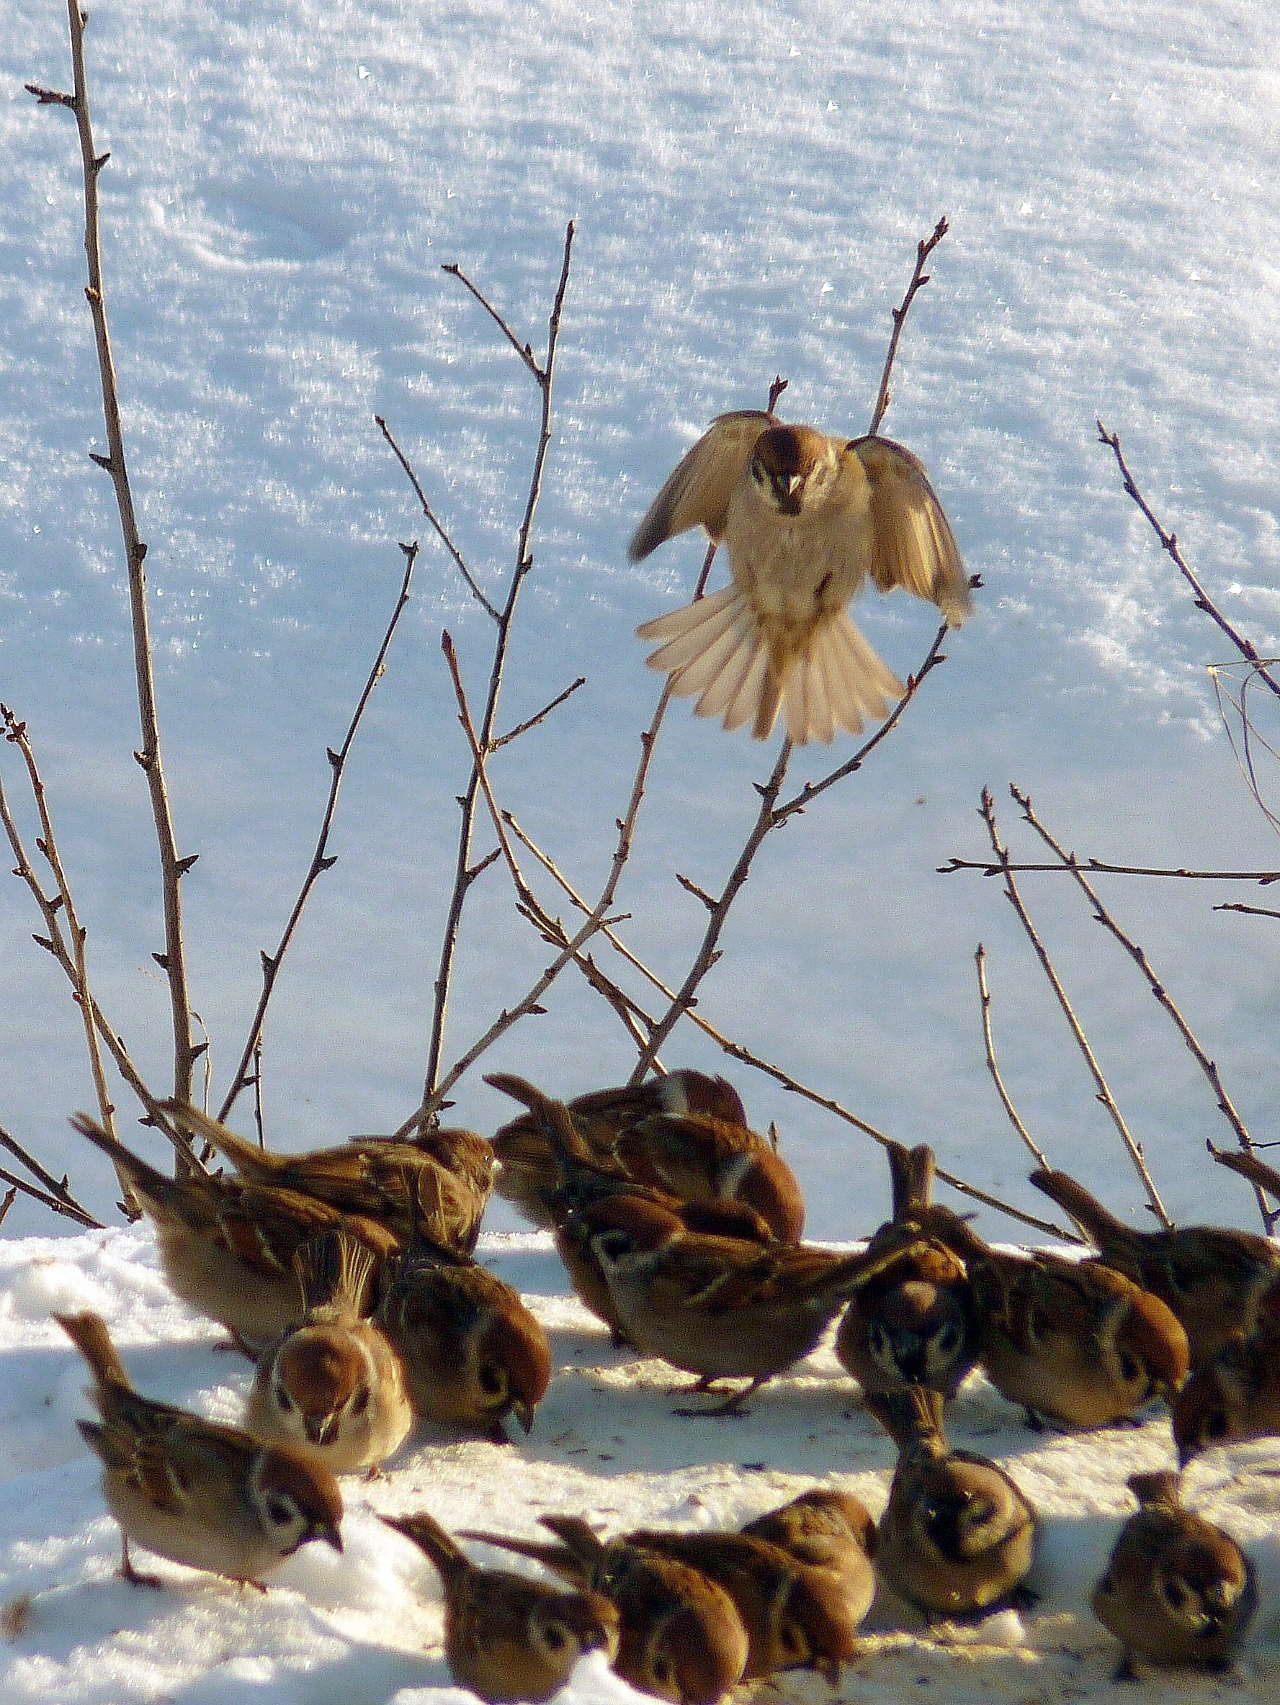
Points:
(1253, 911)
(988, 815)
(320, 861)
(436, 523)
(919, 278)
(55, 1195)
(1169, 542)
(523, 350)
(1138, 954)
(1096, 867)
(984, 995)
(12, 1195)
(172, 867)
(543, 714)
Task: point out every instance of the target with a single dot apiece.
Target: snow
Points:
(749, 182)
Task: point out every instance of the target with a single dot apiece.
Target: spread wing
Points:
(698, 492)
(914, 546)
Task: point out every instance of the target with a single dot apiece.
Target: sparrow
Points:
(796, 1616)
(916, 1322)
(472, 1352)
(507, 1637)
(684, 1134)
(825, 1528)
(1236, 1396)
(957, 1537)
(1072, 1340)
(439, 1182)
(1212, 1277)
(720, 1307)
(332, 1386)
(806, 519)
(192, 1491)
(1177, 1589)
(681, 1636)
(226, 1245)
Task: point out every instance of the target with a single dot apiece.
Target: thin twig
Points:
(1253, 911)
(988, 815)
(465, 872)
(172, 867)
(1096, 867)
(1169, 542)
(533, 721)
(8, 1202)
(320, 860)
(1015, 1119)
(736, 1051)
(58, 1190)
(54, 1204)
(435, 522)
(919, 278)
(1138, 954)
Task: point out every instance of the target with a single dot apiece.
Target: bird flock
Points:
(346, 1274)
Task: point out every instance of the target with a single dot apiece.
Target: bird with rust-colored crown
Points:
(806, 520)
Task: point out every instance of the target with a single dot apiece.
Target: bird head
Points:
(790, 464)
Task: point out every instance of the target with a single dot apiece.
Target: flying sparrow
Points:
(1212, 1277)
(1177, 1590)
(1236, 1396)
(507, 1637)
(958, 1536)
(332, 1386)
(680, 1134)
(192, 1491)
(226, 1245)
(720, 1307)
(1073, 1340)
(806, 519)
(472, 1351)
(438, 1183)
(682, 1637)
(916, 1322)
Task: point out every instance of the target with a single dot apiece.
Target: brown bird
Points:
(1236, 1396)
(680, 1134)
(1177, 1590)
(720, 1307)
(958, 1536)
(916, 1322)
(472, 1351)
(682, 1637)
(226, 1245)
(1073, 1340)
(193, 1491)
(438, 1183)
(332, 1386)
(806, 519)
(1212, 1277)
(831, 1531)
(507, 1637)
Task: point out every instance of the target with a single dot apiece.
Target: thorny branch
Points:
(1015, 1119)
(320, 859)
(988, 815)
(1138, 954)
(172, 868)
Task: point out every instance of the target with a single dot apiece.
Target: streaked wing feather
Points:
(698, 491)
(914, 545)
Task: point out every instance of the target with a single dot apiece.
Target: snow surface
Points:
(749, 182)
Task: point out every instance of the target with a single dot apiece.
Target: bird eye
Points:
(554, 1637)
(492, 1380)
(948, 1339)
(663, 1672)
(284, 1403)
(281, 1511)
(360, 1402)
(1177, 1594)
(1130, 1368)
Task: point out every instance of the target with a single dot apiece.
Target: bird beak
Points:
(319, 1428)
(328, 1531)
(523, 1413)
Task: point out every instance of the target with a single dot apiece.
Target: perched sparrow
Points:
(680, 1134)
(507, 1637)
(957, 1537)
(681, 1637)
(226, 1244)
(805, 518)
(1073, 1340)
(720, 1307)
(1177, 1589)
(916, 1321)
(1235, 1396)
(1212, 1277)
(439, 1183)
(828, 1529)
(332, 1386)
(472, 1351)
(200, 1494)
